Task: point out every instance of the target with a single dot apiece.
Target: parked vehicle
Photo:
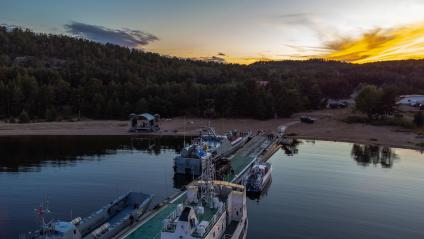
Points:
(307, 119)
(337, 105)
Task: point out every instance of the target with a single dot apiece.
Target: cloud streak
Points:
(123, 37)
(216, 59)
(312, 22)
(406, 42)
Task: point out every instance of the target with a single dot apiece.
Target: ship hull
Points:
(120, 214)
(103, 224)
(241, 230)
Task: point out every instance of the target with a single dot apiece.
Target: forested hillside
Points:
(51, 76)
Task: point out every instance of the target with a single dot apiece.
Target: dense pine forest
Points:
(51, 77)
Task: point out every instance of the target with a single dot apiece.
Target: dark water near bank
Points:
(78, 175)
(326, 190)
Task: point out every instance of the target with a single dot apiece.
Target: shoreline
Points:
(328, 126)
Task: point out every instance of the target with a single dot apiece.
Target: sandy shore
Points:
(327, 127)
(330, 127)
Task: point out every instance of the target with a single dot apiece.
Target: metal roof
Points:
(145, 116)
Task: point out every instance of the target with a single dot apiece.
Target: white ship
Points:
(212, 209)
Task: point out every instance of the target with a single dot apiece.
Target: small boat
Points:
(257, 196)
(191, 161)
(103, 224)
(258, 177)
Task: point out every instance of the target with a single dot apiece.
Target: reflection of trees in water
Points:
(29, 153)
(372, 154)
(154, 145)
(290, 146)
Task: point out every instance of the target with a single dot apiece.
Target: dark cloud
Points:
(310, 21)
(221, 54)
(216, 59)
(373, 39)
(298, 19)
(9, 27)
(123, 37)
(300, 48)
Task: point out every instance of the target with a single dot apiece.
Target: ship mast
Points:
(208, 176)
(41, 211)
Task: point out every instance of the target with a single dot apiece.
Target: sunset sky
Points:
(236, 31)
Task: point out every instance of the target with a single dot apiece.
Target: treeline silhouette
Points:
(54, 76)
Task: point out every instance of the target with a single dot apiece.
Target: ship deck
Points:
(151, 227)
(230, 229)
(208, 214)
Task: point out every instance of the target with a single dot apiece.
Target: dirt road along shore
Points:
(328, 126)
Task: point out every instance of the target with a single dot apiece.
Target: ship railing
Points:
(212, 222)
(227, 236)
(157, 236)
(170, 225)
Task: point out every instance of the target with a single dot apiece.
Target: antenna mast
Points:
(41, 211)
(208, 176)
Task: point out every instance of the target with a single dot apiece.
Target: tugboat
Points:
(103, 224)
(208, 145)
(258, 177)
(212, 209)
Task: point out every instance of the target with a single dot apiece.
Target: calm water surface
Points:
(341, 190)
(325, 190)
(78, 175)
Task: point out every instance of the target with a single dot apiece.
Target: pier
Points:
(260, 147)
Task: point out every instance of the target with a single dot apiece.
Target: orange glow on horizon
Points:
(401, 43)
(246, 60)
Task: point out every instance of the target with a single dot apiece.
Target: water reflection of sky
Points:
(78, 174)
(321, 185)
(323, 192)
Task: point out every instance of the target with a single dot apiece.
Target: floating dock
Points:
(259, 147)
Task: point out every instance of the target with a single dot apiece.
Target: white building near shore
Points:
(411, 100)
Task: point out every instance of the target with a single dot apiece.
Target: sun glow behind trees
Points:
(401, 43)
(380, 45)
(365, 44)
